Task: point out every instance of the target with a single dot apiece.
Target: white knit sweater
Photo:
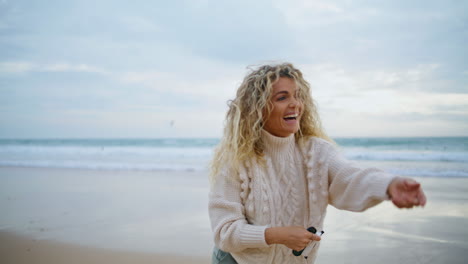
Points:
(294, 188)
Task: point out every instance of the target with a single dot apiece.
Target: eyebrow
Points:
(285, 92)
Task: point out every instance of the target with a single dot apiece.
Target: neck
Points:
(277, 145)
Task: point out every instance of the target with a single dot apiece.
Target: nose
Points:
(294, 103)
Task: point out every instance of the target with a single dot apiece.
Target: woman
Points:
(275, 171)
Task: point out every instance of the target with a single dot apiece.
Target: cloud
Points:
(182, 60)
(397, 125)
(240, 31)
(16, 67)
(407, 98)
(65, 67)
(303, 14)
(24, 67)
(188, 93)
(140, 25)
(337, 80)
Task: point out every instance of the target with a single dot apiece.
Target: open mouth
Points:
(291, 117)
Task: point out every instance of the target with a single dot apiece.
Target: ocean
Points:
(426, 157)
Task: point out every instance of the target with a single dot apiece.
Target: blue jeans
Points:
(221, 257)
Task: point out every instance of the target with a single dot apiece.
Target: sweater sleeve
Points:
(354, 188)
(232, 232)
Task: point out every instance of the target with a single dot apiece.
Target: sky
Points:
(157, 69)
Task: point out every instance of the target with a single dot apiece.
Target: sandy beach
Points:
(91, 216)
(20, 249)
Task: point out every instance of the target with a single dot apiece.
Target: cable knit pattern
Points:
(280, 157)
(294, 187)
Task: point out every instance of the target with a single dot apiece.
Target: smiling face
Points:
(285, 115)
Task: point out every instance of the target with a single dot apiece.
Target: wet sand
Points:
(385, 234)
(80, 216)
(16, 249)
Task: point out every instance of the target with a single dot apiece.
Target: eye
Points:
(281, 98)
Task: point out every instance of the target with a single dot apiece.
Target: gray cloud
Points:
(239, 32)
(187, 57)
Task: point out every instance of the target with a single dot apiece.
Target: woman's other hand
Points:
(406, 193)
(294, 237)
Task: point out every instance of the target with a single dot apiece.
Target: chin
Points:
(293, 131)
(289, 132)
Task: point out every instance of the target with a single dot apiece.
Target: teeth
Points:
(289, 116)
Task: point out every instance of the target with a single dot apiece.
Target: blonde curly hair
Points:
(242, 139)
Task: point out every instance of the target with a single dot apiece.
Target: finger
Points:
(411, 184)
(310, 236)
(422, 198)
(410, 203)
(316, 238)
(396, 202)
(412, 199)
(405, 204)
(402, 203)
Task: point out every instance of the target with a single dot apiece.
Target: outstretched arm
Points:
(406, 193)
(352, 187)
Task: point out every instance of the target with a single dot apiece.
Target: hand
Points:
(406, 193)
(294, 237)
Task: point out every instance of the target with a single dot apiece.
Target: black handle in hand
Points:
(310, 229)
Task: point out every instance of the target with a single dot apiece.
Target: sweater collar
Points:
(274, 144)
